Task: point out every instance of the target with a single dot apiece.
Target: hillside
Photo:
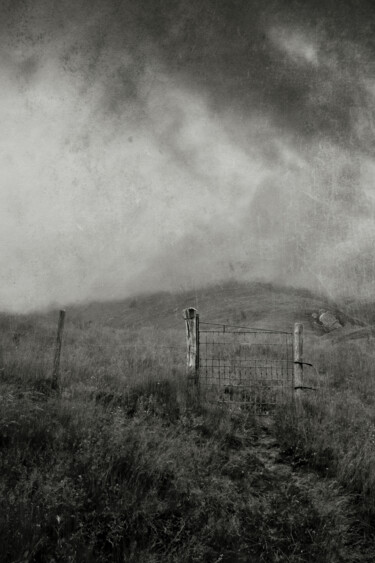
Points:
(124, 461)
(261, 305)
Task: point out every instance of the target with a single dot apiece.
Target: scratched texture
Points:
(169, 144)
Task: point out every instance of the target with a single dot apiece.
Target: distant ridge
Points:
(265, 305)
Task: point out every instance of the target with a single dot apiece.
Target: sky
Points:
(165, 145)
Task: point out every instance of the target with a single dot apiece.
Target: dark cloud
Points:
(251, 127)
(225, 49)
(222, 46)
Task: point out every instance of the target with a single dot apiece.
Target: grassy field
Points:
(124, 464)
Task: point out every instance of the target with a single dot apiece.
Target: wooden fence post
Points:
(191, 317)
(298, 359)
(56, 360)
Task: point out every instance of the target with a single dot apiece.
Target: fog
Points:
(170, 145)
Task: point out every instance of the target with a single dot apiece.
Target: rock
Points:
(329, 321)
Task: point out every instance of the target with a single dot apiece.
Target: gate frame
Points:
(191, 317)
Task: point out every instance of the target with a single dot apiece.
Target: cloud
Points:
(298, 47)
(155, 147)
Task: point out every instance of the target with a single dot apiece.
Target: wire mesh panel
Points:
(245, 366)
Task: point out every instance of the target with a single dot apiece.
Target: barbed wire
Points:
(250, 328)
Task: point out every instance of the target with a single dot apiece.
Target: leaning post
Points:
(191, 317)
(298, 359)
(56, 359)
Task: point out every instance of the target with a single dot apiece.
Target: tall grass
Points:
(121, 466)
(85, 483)
(94, 357)
(334, 432)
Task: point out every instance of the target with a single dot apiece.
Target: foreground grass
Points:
(333, 433)
(83, 482)
(120, 466)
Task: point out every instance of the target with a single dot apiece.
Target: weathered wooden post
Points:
(56, 360)
(298, 355)
(191, 317)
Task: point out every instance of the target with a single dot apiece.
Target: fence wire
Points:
(245, 366)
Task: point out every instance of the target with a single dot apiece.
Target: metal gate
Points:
(240, 366)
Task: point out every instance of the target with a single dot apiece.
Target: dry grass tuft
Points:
(126, 464)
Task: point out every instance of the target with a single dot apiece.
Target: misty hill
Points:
(262, 305)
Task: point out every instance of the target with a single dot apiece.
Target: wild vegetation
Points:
(124, 464)
(334, 432)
